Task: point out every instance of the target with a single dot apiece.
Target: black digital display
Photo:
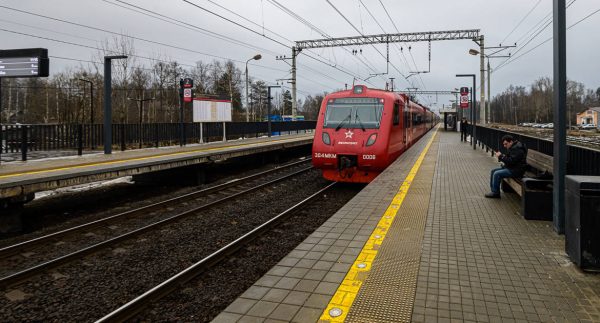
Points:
(30, 62)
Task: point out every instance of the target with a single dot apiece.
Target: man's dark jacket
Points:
(515, 159)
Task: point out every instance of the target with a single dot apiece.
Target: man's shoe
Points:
(493, 195)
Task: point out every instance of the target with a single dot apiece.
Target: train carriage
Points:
(361, 131)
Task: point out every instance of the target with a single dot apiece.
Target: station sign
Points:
(26, 62)
(464, 101)
(187, 95)
(186, 85)
(464, 97)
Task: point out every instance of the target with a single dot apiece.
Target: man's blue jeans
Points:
(496, 177)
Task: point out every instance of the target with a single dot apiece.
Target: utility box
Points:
(582, 220)
(536, 203)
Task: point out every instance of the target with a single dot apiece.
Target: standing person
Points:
(464, 126)
(515, 164)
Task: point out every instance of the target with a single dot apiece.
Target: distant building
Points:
(591, 115)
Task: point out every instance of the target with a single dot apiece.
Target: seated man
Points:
(515, 164)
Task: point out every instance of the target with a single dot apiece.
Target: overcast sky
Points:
(506, 21)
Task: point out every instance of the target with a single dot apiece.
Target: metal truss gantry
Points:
(472, 34)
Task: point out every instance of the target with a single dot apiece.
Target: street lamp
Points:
(473, 105)
(91, 99)
(256, 57)
(482, 78)
(495, 49)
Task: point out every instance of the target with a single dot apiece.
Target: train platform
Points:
(17, 179)
(421, 243)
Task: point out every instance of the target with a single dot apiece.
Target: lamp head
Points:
(473, 52)
(257, 57)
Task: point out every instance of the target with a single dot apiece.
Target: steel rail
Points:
(133, 307)
(38, 269)
(16, 248)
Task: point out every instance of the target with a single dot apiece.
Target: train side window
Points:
(396, 113)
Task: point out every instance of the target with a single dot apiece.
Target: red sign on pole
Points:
(464, 97)
(187, 95)
(464, 101)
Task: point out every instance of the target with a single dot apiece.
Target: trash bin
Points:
(582, 220)
(536, 203)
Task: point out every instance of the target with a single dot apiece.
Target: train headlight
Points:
(326, 138)
(372, 139)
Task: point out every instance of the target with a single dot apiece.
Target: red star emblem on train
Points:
(349, 134)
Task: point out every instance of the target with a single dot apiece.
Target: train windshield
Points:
(353, 113)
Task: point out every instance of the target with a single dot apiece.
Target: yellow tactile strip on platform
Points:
(362, 272)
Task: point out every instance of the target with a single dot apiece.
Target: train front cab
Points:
(352, 138)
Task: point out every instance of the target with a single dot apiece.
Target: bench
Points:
(535, 188)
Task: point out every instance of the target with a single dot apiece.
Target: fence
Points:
(580, 160)
(78, 137)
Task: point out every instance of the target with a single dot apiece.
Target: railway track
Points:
(239, 187)
(138, 304)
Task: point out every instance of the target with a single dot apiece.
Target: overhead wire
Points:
(127, 36)
(186, 25)
(520, 22)
(409, 44)
(255, 32)
(307, 23)
(113, 33)
(357, 30)
(546, 23)
(271, 31)
(547, 40)
(402, 52)
(383, 29)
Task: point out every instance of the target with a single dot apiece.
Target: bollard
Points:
(24, 143)
(79, 139)
(122, 137)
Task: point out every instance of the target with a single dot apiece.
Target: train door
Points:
(396, 141)
(406, 123)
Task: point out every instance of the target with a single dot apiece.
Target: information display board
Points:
(27, 62)
(207, 110)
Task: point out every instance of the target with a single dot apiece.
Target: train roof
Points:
(359, 90)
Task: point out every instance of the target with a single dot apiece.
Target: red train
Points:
(361, 131)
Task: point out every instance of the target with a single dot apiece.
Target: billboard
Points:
(209, 110)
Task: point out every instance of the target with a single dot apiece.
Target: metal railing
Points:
(580, 160)
(85, 137)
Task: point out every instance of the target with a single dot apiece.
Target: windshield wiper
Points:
(342, 122)
(362, 126)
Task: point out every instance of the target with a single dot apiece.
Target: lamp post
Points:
(473, 105)
(91, 99)
(256, 57)
(481, 54)
(108, 102)
(487, 104)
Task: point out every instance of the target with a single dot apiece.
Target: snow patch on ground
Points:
(83, 187)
